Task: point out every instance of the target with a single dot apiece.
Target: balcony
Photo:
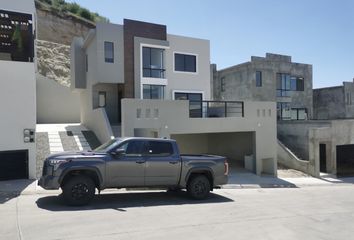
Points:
(216, 109)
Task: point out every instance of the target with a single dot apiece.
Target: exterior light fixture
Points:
(28, 135)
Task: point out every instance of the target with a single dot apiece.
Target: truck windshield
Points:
(108, 145)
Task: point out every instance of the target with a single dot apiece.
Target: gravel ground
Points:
(42, 148)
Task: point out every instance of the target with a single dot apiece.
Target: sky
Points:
(317, 32)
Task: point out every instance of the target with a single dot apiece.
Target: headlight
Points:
(56, 163)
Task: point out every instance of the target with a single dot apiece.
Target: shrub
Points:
(73, 7)
(85, 13)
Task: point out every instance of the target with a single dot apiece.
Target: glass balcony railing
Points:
(215, 109)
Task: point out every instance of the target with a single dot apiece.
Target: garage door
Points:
(14, 165)
(345, 159)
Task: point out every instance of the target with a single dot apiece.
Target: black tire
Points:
(198, 187)
(78, 191)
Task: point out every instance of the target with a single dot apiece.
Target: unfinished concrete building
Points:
(334, 102)
(272, 78)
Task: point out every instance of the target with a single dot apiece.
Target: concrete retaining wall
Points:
(56, 103)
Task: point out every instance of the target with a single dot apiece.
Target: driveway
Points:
(317, 212)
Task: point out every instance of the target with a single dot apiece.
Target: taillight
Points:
(226, 165)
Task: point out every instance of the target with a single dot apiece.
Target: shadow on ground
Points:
(242, 178)
(13, 188)
(124, 201)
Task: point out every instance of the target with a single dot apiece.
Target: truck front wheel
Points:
(198, 187)
(78, 190)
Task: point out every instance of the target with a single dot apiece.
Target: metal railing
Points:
(215, 109)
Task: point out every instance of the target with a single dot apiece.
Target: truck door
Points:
(163, 166)
(127, 170)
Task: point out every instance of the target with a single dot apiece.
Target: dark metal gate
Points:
(14, 165)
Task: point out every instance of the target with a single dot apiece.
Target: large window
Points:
(195, 102)
(185, 63)
(287, 83)
(108, 52)
(153, 91)
(285, 112)
(16, 36)
(153, 62)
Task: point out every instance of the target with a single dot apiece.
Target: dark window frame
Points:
(291, 84)
(106, 58)
(150, 69)
(222, 84)
(185, 67)
(259, 79)
(297, 112)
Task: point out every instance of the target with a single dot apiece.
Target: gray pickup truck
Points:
(129, 163)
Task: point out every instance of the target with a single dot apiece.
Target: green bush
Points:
(62, 6)
(85, 13)
(73, 7)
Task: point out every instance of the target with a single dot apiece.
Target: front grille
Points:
(47, 169)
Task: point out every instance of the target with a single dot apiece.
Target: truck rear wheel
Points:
(78, 190)
(198, 187)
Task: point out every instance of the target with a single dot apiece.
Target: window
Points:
(185, 63)
(159, 149)
(222, 84)
(16, 36)
(298, 114)
(153, 62)
(133, 148)
(287, 83)
(195, 102)
(258, 79)
(153, 91)
(283, 111)
(108, 52)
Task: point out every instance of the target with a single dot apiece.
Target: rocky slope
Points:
(53, 61)
(55, 32)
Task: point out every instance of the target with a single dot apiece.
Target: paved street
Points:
(322, 212)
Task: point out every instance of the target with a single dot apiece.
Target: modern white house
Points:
(135, 79)
(17, 89)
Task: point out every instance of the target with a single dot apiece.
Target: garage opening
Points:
(238, 147)
(13, 165)
(345, 160)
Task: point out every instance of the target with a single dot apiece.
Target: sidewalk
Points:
(238, 180)
(250, 180)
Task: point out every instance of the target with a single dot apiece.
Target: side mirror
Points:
(118, 152)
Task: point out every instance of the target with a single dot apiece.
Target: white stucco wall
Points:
(172, 117)
(18, 96)
(186, 81)
(56, 103)
(109, 72)
(18, 108)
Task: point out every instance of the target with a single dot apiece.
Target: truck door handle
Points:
(141, 161)
(173, 162)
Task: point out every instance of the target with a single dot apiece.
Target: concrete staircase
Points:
(55, 138)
